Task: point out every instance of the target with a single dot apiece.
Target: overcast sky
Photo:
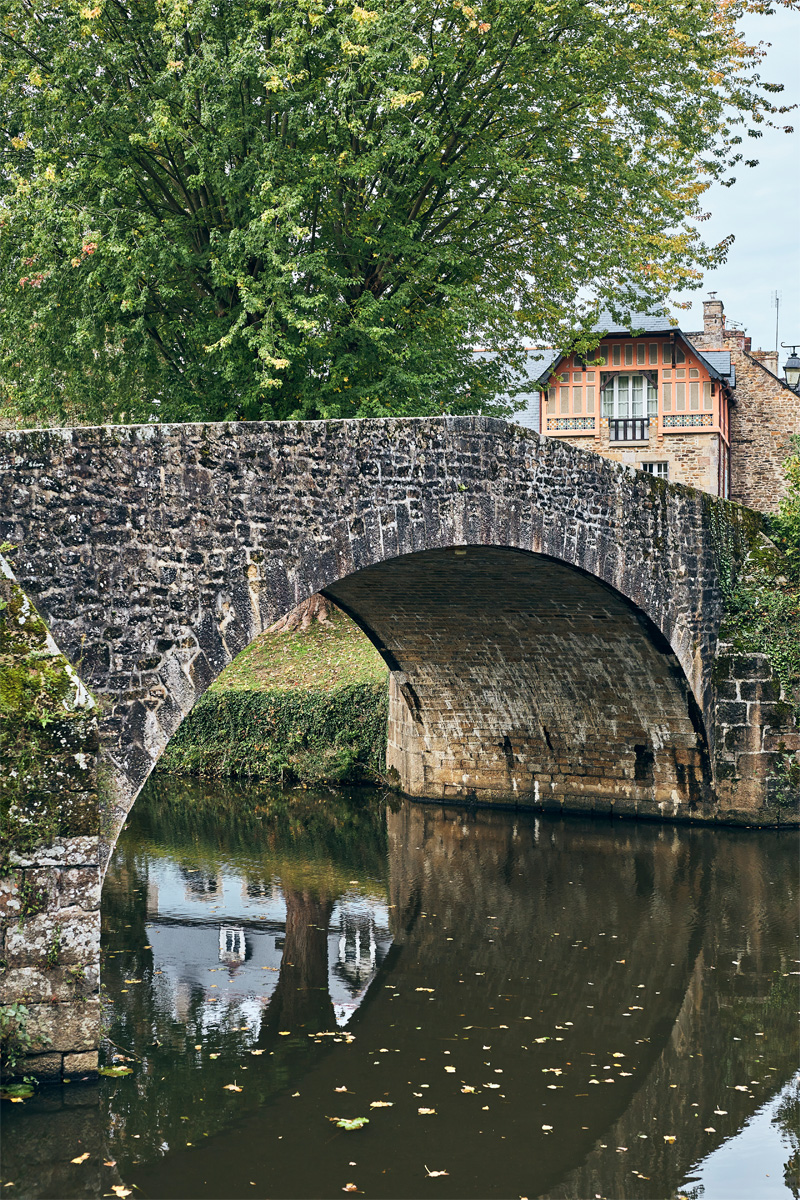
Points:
(762, 210)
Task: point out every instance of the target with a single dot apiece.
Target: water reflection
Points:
(587, 1007)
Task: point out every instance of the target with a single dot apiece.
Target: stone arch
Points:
(521, 679)
(157, 553)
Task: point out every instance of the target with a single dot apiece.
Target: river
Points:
(518, 1005)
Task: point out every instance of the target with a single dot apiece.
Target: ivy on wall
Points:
(281, 736)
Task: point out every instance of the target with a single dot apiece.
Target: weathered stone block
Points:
(81, 1064)
(69, 1027)
(69, 937)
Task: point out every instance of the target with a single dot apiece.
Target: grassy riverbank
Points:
(293, 706)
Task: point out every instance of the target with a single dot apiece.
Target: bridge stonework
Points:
(550, 619)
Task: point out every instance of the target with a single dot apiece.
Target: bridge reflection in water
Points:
(620, 997)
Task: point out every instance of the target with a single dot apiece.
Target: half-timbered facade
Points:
(649, 399)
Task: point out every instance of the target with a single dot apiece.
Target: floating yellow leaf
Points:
(349, 1187)
(669, 1137)
(381, 1103)
(433, 1174)
(547, 1128)
(450, 1070)
(426, 1112)
(284, 1033)
(709, 1129)
(424, 989)
(343, 1088)
(256, 1052)
(231, 1087)
(467, 1088)
(81, 1158)
(119, 1189)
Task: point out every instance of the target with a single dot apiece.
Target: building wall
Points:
(693, 457)
(764, 416)
(687, 430)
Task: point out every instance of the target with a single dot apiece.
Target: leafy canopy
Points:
(250, 208)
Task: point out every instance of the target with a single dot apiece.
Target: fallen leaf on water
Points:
(256, 1051)
(492, 1085)
(740, 1087)
(81, 1158)
(424, 989)
(214, 1055)
(720, 1112)
(115, 1072)
(284, 1033)
(119, 1189)
(349, 1187)
(544, 1039)
(450, 1070)
(433, 1174)
(669, 1137)
(426, 1112)
(231, 1087)
(709, 1129)
(381, 1103)
(133, 981)
(341, 1089)
(467, 1088)
(349, 1123)
(547, 1128)
(617, 1054)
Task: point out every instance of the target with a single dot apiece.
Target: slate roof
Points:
(537, 367)
(646, 322)
(720, 360)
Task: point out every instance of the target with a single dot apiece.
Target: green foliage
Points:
(15, 1039)
(239, 209)
(786, 780)
(53, 950)
(786, 525)
(276, 735)
(33, 900)
(350, 1123)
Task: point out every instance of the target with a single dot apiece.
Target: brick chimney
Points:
(768, 359)
(713, 322)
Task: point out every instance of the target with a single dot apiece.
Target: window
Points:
(577, 377)
(615, 356)
(625, 396)
(679, 355)
(563, 399)
(641, 350)
(694, 395)
(667, 396)
(661, 469)
(629, 355)
(577, 400)
(551, 401)
(694, 373)
(680, 397)
(708, 397)
(654, 354)
(590, 399)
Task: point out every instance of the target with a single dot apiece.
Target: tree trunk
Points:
(316, 608)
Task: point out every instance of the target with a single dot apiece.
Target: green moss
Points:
(47, 746)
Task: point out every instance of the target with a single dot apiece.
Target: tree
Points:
(245, 208)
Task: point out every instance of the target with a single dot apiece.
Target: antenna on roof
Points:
(775, 301)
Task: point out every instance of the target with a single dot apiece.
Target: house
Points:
(697, 408)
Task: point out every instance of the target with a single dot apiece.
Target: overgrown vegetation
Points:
(15, 1040)
(762, 591)
(296, 706)
(283, 736)
(762, 605)
(43, 730)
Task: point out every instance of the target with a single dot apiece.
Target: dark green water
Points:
(528, 1006)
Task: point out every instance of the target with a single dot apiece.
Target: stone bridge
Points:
(550, 620)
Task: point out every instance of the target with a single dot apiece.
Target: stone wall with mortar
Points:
(49, 844)
(693, 458)
(764, 415)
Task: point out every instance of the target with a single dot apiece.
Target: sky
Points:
(762, 210)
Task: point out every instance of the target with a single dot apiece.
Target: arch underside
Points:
(516, 678)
